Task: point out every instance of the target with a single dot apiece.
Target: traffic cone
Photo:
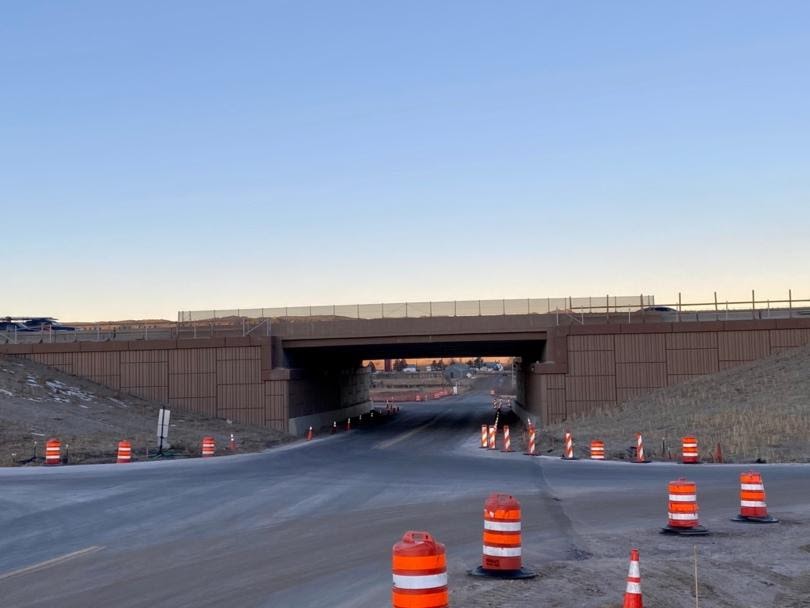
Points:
(309, 434)
(640, 455)
(348, 424)
(632, 593)
(232, 444)
(334, 427)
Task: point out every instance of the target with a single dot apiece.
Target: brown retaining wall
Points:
(221, 377)
(588, 367)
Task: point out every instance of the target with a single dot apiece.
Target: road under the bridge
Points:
(312, 524)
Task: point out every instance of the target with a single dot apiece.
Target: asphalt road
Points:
(312, 524)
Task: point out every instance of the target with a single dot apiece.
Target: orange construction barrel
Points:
(124, 452)
(53, 452)
(682, 515)
(419, 568)
(502, 555)
(209, 446)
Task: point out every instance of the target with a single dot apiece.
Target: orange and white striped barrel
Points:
(209, 446)
(53, 452)
(493, 430)
(689, 453)
(597, 449)
(752, 499)
(124, 452)
(484, 436)
(502, 548)
(507, 439)
(683, 505)
(640, 456)
(419, 567)
(531, 450)
(568, 450)
(632, 593)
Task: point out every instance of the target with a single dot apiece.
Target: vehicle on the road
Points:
(12, 326)
(46, 324)
(658, 309)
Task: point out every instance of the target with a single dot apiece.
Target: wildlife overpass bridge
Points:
(295, 371)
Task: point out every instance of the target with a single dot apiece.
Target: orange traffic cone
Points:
(632, 593)
(348, 424)
(309, 434)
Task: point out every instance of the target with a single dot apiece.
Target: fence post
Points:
(455, 308)
(607, 308)
(716, 311)
(679, 307)
(479, 308)
(528, 306)
(753, 305)
(503, 306)
(790, 303)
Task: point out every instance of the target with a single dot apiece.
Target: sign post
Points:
(163, 429)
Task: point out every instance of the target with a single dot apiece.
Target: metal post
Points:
(790, 303)
(382, 310)
(503, 306)
(430, 309)
(642, 308)
(479, 308)
(679, 307)
(406, 310)
(358, 311)
(753, 305)
(528, 306)
(455, 308)
(607, 308)
(716, 312)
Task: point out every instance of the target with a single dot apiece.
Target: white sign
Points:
(163, 428)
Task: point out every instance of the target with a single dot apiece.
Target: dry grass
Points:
(760, 410)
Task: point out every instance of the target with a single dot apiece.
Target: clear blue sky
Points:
(157, 156)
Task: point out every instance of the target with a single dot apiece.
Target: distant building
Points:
(456, 371)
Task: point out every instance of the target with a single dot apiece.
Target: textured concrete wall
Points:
(226, 378)
(588, 367)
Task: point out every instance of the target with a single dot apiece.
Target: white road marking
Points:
(51, 562)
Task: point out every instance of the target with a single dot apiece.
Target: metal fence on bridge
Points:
(561, 311)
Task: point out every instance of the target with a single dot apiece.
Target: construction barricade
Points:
(209, 446)
(502, 554)
(419, 568)
(597, 449)
(507, 439)
(753, 508)
(53, 452)
(493, 432)
(484, 436)
(689, 450)
(124, 452)
(682, 516)
(568, 447)
(531, 447)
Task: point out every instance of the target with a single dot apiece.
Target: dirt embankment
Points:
(758, 411)
(37, 403)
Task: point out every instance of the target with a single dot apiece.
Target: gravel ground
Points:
(38, 402)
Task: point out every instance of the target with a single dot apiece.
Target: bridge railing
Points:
(559, 311)
(416, 310)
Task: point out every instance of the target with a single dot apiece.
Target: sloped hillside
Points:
(755, 411)
(37, 402)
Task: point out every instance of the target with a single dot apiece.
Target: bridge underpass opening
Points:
(330, 382)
